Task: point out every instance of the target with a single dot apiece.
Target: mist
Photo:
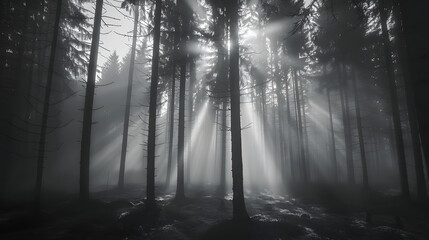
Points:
(214, 119)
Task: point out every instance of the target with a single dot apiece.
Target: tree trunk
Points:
(302, 161)
(238, 204)
(46, 104)
(416, 36)
(173, 99)
(333, 147)
(89, 102)
(402, 165)
(224, 129)
(412, 113)
(192, 80)
(346, 125)
(150, 187)
(360, 134)
(180, 190)
(128, 101)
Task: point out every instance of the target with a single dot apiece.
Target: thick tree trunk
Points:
(89, 102)
(411, 106)
(238, 204)
(150, 187)
(46, 104)
(416, 36)
(402, 165)
(360, 134)
(128, 101)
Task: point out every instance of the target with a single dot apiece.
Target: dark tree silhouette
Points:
(89, 103)
(150, 184)
(239, 207)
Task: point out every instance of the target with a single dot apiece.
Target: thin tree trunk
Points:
(192, 80)
(173, 99)
(305, 132)
(89, 102)
(150, 187)
(361, 139)
(402, 165)
(300, 133)
(224, 129)
(346, 126)
(128, 101)
(46, 104)
(333, 147)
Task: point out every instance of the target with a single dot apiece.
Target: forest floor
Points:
(316, 213)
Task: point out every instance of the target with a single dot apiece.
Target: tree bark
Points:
(89, 102)
(150, 187)
(238, 204)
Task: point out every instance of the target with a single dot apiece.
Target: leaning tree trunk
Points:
(238, 204)
(89, 102)
(400, 151)
(128, 101)
(46, 104)
(150, 181)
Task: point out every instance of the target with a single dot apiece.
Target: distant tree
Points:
(110, 70)
(128, 99)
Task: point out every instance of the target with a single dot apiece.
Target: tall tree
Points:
(89, 102)
(238, 204)
(46, 104)
(411, 106)
(185, 12)
(128, 100)
(150, 183)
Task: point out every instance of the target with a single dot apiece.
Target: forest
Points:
(214, 119)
